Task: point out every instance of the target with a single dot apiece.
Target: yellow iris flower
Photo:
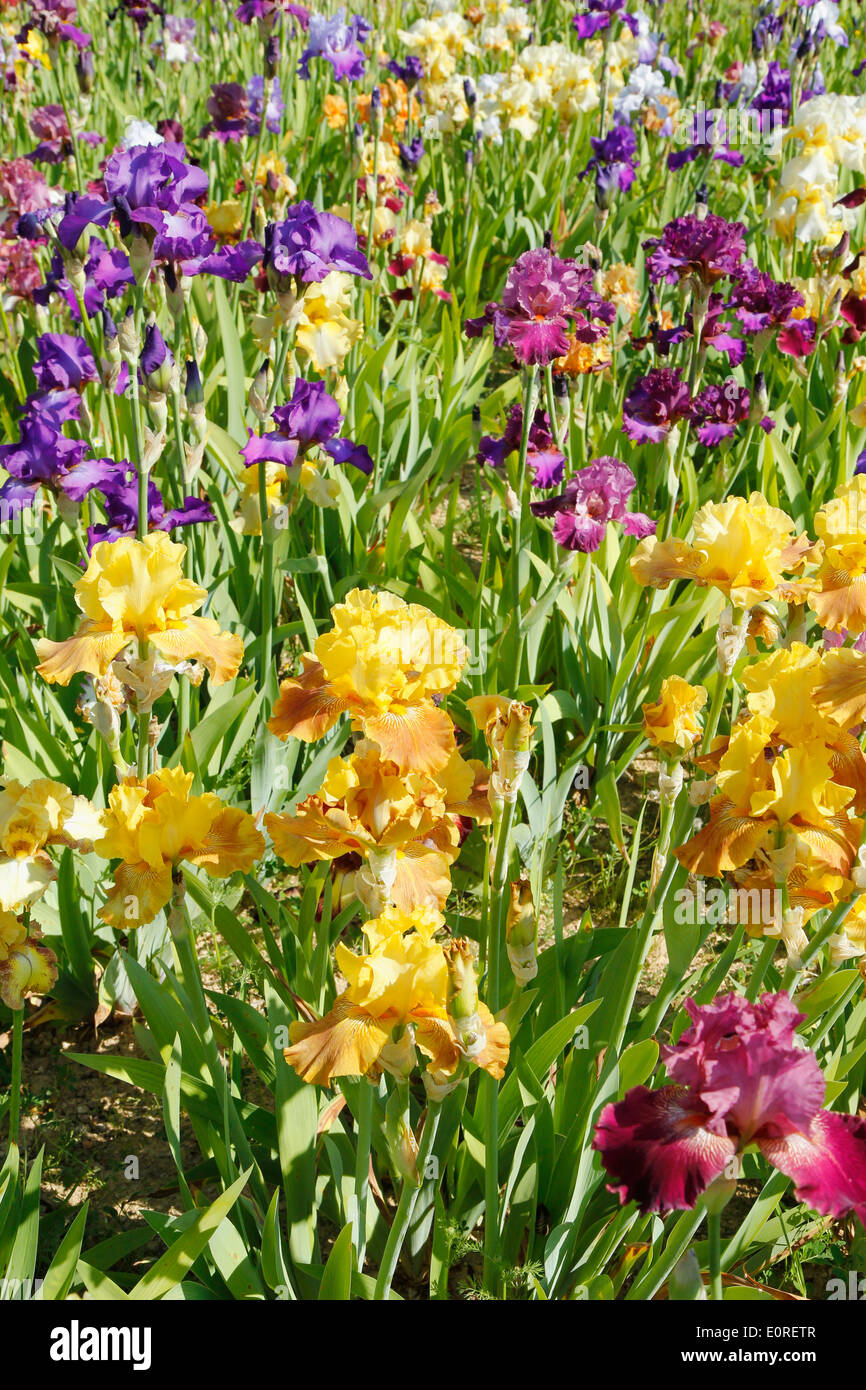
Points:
(382, 662)
(135, 591)
(672, 722)
(154, 825)
(26, 966)
(401, 983)
(744, 548)
(33, 817)
(403, 824)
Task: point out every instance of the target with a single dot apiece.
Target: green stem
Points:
(362, 1170)
(495, 931)
(714, 1231)
(405, 1208)
(762, 964)
(15, 1083)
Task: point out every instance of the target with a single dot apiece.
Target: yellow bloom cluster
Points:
(403, 824)
(153, 825)
(788, 793)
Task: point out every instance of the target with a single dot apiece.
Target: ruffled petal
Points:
(828, 1164)
(91, 649)
(346, 1042)
(657, 1148)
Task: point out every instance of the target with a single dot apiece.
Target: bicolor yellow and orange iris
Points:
(154, 825)
(399, 986)
(136, 591)
(404, 825)
(672, 722)
(747, 549)
(381, 663)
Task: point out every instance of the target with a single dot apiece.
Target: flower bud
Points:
(685, 1284)
(127, 338)
(155, 362)
(259, 392)
(84, 71)
(521, 932)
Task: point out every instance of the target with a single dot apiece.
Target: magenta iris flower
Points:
(596, 496)
(740, 1079)
(654, 405)
(544, 299)
(703, 248)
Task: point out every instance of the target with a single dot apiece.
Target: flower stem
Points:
(362, 1170)
(15, 1083)
(714, 1231)
(405, 1208)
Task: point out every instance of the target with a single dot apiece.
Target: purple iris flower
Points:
(312, 417)
(703, 248)
(64, 362)
(273, 115)
(544, 460)
(706, 142)
(600, 14)
(42, 455)
(51, 128)
(615, 162)
(763, 304)
(717, 410)
(596, 496)
(411, 154)
(309, 245)
(153, 179)
(654, 405)
(106, 274)
(338, 42)
(118, 483)
(410, 71)
(80, 211)
(228, 262)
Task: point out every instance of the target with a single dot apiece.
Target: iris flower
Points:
(152, 826)
(398, 997)
(135, 591)
(741, 1079)
(382, 663)
(404, 825)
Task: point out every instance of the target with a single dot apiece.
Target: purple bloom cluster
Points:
(53, 18)
(596, 496)
(311, 418)
(544, 299)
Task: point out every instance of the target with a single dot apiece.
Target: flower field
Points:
(433, 651)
